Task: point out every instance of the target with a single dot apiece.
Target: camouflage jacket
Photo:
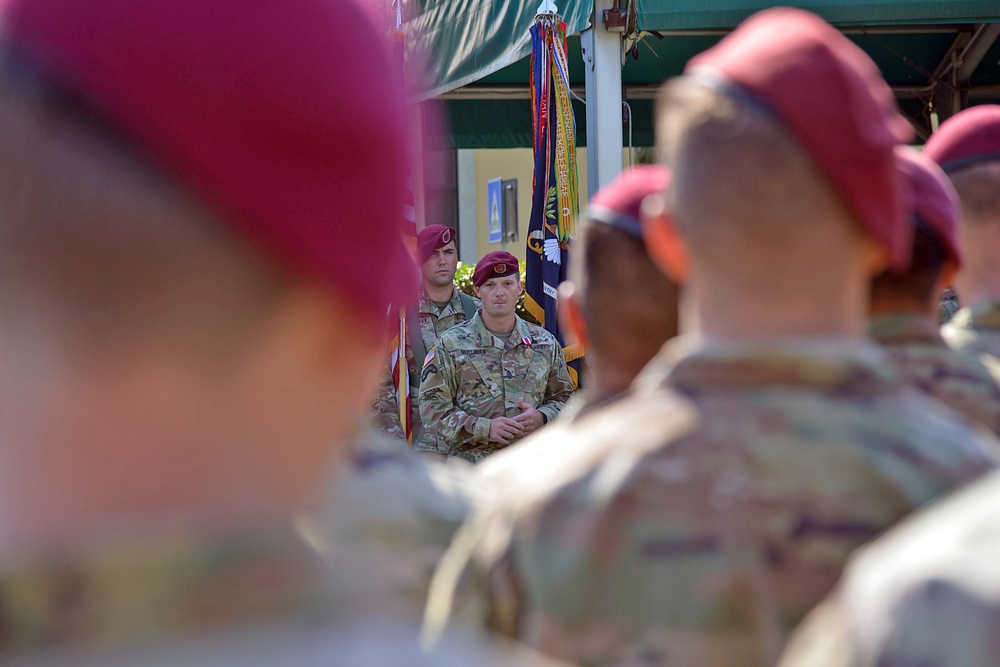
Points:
(388, 518)
(975, 330)
(472, 376)
(928, 593)
(696, 520)
(385, 410)
(244, 600)
(926, 362)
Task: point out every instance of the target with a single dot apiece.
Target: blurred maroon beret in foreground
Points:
(831, 96)
(967, 138)
(619, 202)
(935, 202)
(286, 117)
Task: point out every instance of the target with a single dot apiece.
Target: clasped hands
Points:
(505, 429)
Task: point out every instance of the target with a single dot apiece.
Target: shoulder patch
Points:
(429, 358)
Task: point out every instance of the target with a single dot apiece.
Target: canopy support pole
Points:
(602, 58)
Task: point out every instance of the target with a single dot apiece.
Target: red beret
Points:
(618, 203)
(966, 138)
(495, 265)
(935, 202)
(832, 97)
(286, 117)
(431, 238)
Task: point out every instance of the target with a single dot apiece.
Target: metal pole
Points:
(603, 63)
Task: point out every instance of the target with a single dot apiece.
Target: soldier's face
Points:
(439, 269)
(499, 295)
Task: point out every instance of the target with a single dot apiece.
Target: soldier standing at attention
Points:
(697, 519)
(904, 304)
(440, 306)
(496, 378)
(967, 146)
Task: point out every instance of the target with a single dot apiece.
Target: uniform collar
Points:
(905, 329)
(832, 365)
(520, 336)
(425, 305)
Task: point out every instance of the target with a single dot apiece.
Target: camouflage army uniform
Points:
(926, 594)
(472, 376)
(388, 520)
(240, 601)
(432, 323)
(958, 380)
(696, 520)
(975, 330)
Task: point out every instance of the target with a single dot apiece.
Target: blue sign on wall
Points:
(494, 208)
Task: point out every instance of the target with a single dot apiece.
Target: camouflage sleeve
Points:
(385, 410)
(439, 411)
(463, 589)
(559, 389)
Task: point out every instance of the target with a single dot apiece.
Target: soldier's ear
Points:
(663, 242)
(571, 315)
(476, 287)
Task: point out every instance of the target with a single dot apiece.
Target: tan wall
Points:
(510, 163)
(516, 163)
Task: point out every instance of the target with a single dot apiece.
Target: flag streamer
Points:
(555, 196)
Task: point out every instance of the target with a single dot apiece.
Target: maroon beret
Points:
(832, 97)
(496, 264)
(618, 203)
(286, 118)
(935, 202)
(431, 238)
(966, 138)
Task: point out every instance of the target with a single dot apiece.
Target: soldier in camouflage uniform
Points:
(967, 146)
(927, 593)
(184, 343)
(696, 520)
(440, 306)
(496, 378)
(902, 303)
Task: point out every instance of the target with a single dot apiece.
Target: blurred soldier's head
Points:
(967, 146)
(935, 255)
(438, 255)
(190, 195)
(617, 303)
(786, 202)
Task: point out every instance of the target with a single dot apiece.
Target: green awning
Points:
(664, 15)
(463, 41)
(909, 41)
